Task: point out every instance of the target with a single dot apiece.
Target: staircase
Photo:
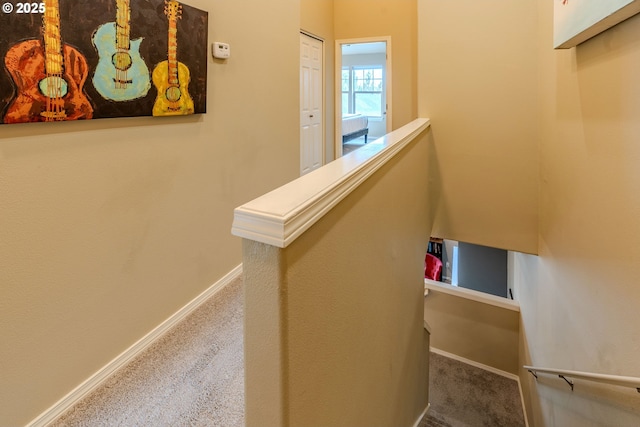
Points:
(194, 376)
(462, 395)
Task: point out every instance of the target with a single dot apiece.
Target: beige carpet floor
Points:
(193, 376)
(462, 395)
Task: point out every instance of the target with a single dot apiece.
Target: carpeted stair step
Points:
(462, 395)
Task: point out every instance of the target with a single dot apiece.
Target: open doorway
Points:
(363, 92)
(466, 265)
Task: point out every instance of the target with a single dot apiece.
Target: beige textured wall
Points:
(316, 17)
(478, 85)
(109, 227)
(476, 331)
(395, 18)
(580, 298)
(347, 345)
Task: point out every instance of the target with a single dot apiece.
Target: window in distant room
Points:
(346, 90)
(362, 90)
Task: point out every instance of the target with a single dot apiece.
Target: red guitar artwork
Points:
(49, 76)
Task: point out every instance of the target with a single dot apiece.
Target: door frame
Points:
(323, 123)
(338, 86)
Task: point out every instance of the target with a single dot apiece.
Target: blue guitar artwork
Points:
(121, 73)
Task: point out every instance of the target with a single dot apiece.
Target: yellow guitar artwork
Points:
(171, 78)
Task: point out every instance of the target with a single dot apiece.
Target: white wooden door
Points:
(311, 104)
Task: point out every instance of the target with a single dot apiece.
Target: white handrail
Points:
(623, 381)
(279, 217)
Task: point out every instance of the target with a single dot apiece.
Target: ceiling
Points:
(363, 48)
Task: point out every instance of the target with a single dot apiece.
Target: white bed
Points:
(354, 126)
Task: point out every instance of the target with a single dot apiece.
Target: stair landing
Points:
(462, 395)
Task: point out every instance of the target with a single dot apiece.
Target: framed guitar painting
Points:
(90, 59)
(576, 21)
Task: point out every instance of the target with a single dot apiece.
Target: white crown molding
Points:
(279, 217)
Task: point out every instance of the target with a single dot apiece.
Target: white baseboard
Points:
(476, 364)
(524, 407)
(422, 415)
(129, 354)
